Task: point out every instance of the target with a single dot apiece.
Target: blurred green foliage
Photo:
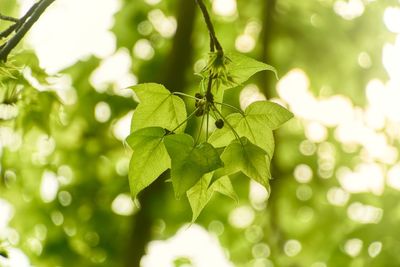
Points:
(299, 225)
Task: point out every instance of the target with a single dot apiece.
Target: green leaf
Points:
(232, 70)
(199, 195)
(224, 186)
(257, 123)
(255, 130)
(158, 107)
(189, 163)
(248, 158)
(241, 68)
(149, 159)
(273, 114)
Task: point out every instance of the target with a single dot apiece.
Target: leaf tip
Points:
(194, 218)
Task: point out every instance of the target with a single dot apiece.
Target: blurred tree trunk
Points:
(181, 55)
(267, 16)
(174, 78)
(267, 81)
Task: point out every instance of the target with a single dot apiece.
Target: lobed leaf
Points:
(241, 68)
(200, 194)
(232, 70)
(256, 131)
(248, 158)
(158, 107)
(273, 114)
(188, 162)
(257, 123)
(224, 186)
(149, 159)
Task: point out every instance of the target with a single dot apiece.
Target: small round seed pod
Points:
(219, 123)
(200, 112)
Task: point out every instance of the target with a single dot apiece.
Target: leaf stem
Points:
(207, 109)
(232, 107)
(229, 125)
(186, 95)
(215, 115)
(187, 118)
(201, 128)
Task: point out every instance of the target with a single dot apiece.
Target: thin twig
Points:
(213, 38)
(8, 31)
(7, 18)
(29, 13)
(212, 44)
(22, 28)
(20, 22)
(209, 95)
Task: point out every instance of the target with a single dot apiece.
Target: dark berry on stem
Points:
(219, 123)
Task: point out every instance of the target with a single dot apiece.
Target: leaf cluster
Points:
(240, 142)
